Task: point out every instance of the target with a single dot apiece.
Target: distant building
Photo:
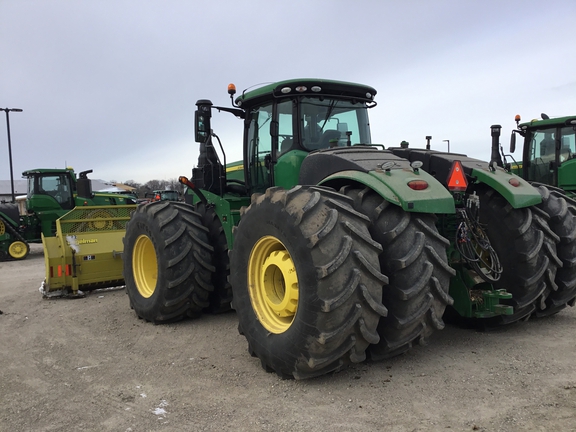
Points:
(20, 188)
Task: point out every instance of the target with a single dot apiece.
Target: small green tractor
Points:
(164, 195)
(51, 194)
(331, 248)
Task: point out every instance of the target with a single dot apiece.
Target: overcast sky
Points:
(112, 85)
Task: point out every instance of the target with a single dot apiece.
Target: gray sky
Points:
(112, 85)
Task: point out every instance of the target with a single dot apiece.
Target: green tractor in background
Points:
(549, 164)
(51, 194)
(330, 247)
(164, 195)
(549, 152)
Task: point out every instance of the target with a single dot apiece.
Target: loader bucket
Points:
(86, 252)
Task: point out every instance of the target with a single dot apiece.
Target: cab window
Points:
(567, 144)
(285, 127)
(331, 123)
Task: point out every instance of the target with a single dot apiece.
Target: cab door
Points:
(259, 149)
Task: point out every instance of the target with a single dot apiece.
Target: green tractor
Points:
(549, 164)
(51, 194)
(549, 152)
(330, 247)
(164, 195)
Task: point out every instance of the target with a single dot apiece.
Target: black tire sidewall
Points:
(285, 347)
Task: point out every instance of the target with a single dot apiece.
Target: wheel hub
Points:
(145, 266)
(273, 284)
(17, 250)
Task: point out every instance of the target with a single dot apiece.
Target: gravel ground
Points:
(91, 364)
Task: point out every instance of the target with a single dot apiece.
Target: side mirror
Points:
(202, 128)
(513, 142)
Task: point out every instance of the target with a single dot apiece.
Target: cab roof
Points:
(557, 121)
(31, 172)
(306, 86)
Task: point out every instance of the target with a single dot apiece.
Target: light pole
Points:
(447, 141)
(7, 110)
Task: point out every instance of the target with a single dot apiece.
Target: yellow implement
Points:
(86, 252)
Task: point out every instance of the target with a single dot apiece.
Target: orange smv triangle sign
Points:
(457, 179)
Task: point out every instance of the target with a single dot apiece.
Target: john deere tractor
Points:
(549, 152)
(330, 247)
(51, 194)
(549, 164)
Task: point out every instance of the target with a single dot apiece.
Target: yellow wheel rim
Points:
(18, 250)
(273, 284)
(145, 266)
(2, 228)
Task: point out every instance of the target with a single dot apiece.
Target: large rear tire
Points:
(562, 221)
(527, 251)
(167, 262)
(221, 298)
(306, 281)
(414, 259)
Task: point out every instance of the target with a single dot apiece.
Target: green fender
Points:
(393, 186)
(523, 195)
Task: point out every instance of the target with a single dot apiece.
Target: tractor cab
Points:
(549, 151)
(283, 123)
(50, 189)
(280, 133)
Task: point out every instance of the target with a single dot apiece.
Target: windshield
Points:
(333, 123)
(170, 196)
(541, 153)
(56, 186)
(49, 184)
(547, 150)
(542, 145)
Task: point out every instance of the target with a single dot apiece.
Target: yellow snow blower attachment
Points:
(86, 253)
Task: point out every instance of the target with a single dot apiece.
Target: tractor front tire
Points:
(414, 259)
(167, 262)
(306, 281)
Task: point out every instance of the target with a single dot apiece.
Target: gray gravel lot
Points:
(91, 364)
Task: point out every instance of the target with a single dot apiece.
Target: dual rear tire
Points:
(526, 247)
(414, 258)
(307, 282)
(561, 213)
